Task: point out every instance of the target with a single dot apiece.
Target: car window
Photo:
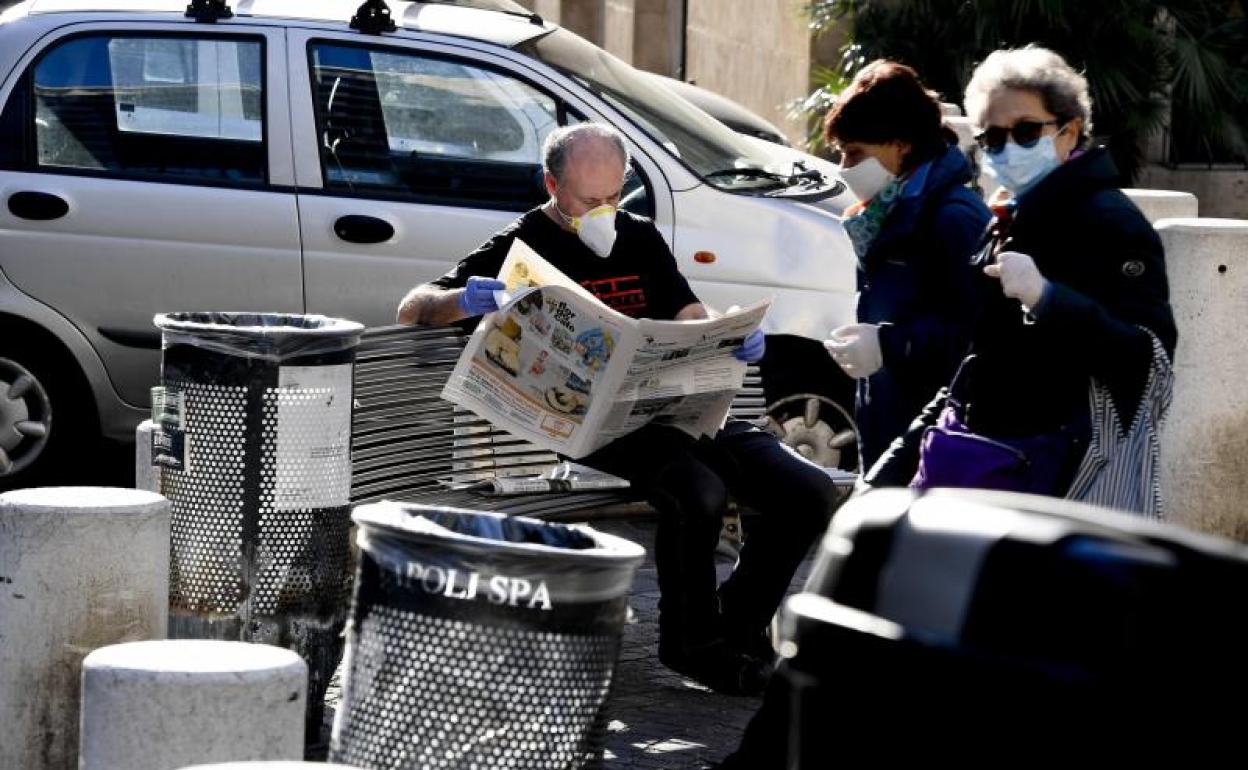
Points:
(433, 129)
(175, 108)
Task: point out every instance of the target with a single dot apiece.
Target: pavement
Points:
(658, 719)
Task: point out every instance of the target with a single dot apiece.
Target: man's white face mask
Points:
(595, 228)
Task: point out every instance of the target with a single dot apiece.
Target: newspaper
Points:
(559, 368)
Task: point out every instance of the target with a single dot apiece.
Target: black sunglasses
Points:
(1025, 133)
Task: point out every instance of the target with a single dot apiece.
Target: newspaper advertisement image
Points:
(559, 368)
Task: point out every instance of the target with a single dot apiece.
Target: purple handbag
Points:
(950, 455)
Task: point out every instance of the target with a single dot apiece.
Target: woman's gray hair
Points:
(1063, 90)
(562, 141)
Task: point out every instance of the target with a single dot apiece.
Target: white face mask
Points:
(1018, 169)
(866, 178)
(595, 228)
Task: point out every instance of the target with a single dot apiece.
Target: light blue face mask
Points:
(1018, 169)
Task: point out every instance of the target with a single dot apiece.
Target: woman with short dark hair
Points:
(914, 230)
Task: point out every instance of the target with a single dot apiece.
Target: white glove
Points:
(856, 349)
(1020, 278)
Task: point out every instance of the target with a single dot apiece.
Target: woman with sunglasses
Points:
(914, 231)
(1076, 332)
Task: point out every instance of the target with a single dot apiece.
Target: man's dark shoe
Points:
(718, 666)
(756, 645)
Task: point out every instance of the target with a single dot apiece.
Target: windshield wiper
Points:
(810, 174)
(750, 172)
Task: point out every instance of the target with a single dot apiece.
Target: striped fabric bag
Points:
(1123, 470)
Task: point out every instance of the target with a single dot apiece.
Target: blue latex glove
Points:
(752, 348)
(478, 296)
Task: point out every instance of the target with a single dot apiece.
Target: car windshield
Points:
(717, 154)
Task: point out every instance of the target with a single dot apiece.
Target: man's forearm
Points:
(430, 306)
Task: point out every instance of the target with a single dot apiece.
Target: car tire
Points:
(46, 416)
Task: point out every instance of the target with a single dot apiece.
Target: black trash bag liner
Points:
(269, 336)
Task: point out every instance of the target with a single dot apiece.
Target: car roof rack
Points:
(373, 18)
(208, 11)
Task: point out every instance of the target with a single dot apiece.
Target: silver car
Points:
(277, 159)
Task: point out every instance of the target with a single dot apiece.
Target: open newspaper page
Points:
(557, 367)
(683, 374)
(538, 365)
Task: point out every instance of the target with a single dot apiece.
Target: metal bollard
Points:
(80, 568)
(163, 705)
(1163, 204)
(1205, 441)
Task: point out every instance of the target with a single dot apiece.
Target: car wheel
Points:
(40, 420)
(817, 428)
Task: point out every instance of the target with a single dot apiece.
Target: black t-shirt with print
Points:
(639, 278)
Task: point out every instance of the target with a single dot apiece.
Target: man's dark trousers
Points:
(689, 481)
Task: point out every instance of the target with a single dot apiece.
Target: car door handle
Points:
(358, 228)
(39, 206)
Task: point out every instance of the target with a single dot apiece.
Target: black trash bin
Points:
(253, 431)
(480, 641)
(1008, 629)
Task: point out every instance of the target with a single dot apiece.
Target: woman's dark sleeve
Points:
(1125, 289)
(898, 464)
(936, 338)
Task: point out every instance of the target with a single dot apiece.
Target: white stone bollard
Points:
(80, 568)
(166, 705)
(1163, 204)
(1205, 440)
(146, 475)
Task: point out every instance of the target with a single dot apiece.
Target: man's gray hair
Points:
(1063, 90)
(562, 141)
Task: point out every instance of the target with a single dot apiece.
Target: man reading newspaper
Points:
(716, 636)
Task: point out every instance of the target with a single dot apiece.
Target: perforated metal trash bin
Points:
(253, 431)
(480, 641)
(1005, 629)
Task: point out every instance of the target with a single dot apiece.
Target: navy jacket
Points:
(917, 282)
(1107, 273)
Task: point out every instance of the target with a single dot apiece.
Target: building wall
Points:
(756, 52)
(658, 37)
(608, 23)
(547, 9)
(1223, 193)
(619, 22)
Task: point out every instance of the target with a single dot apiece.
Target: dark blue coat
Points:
(917, 282)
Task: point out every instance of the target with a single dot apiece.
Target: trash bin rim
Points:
(175, 321)
(1107, 520)
(380, 516)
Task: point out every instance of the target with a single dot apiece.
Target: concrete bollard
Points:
(1205, 440)
(80, 568)
(165, 705)
(1164, 204)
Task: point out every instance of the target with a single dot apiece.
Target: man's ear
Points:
(551, 184)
